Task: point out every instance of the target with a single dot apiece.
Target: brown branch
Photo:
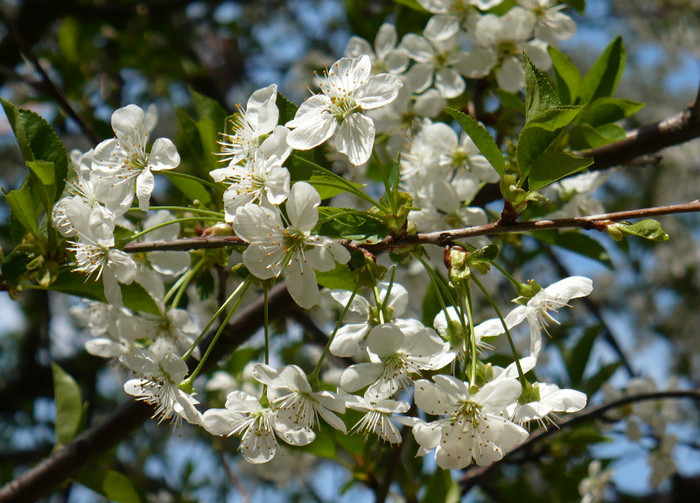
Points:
(441, 238)
(472, 476)
(83, 450)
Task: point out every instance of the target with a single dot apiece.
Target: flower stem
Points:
(184, 209)
(181, 284)
(243, 287)
(472, 335)
(313, 376)
(521, 375)
(213, 185)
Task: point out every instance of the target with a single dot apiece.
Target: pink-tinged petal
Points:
(313, 124)
(432, 398)
(302, 206)
(163, 155)
(144, 188)
(301, 283)
(355, 138)
(261, 111)
(379, 90)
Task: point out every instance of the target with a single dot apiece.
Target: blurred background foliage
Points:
(105, 54)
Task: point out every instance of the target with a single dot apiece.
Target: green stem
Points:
(521, 375)
(437, 279)
(472, 335)
(137, 235)
(508, 276)
(266, 325)
(213, 185)
(183, 281)
(313, 376)
(242, 288)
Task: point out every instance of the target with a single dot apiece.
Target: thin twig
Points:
(51, 86)
(232, 477)
(472, 476)
(441, 238)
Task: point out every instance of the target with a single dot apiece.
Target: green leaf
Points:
(394, 176)
(584, 136)
(288, 109)
(413, 4)
(205, 284)
(576, 242)
(348, 223)
(68, 40)
(567, 75)
(539, 134)
(593, 383)
(69, 405)
(511, 100)
(481, 138)
(192, 189)
(135, 296)
(606, 110)
(579, 5)
(577, 358)
(209, 109)
(25, 208)
(113, 485)
(38, 142)
(323, 446)
(340, 278)
(540, 95)
(44, 181)
(553, 166)
(14, 266)
(648, 229)
(441, 487)
(603, 77)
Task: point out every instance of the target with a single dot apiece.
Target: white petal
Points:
(355, 138)
(379, 90)
(163, 155)
(144, 188)
(302, 206)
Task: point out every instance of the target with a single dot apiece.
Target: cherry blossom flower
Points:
(158, 385)
(385, 57)
(292, 250)
(347, 91)
(363, 316)
(378, 416)
(262, 180)
(294, 401)
(552, 298)
(255, 129)
(244, 416)
(551, 22)
(474, 426)
(396, 356)
(93, 248)
(123, 160)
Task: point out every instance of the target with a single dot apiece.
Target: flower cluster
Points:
(425, 375)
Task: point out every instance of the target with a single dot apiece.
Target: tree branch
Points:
(472, 476)
(84, 449)
(645, 140)
(441, 238)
